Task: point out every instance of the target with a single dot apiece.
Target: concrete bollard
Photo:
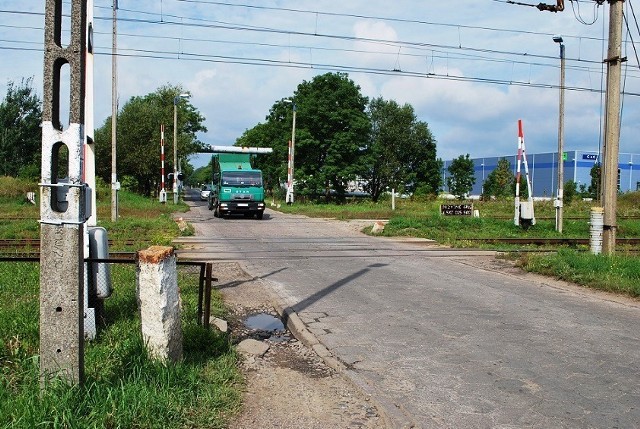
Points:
(159, 302)
(596, 229)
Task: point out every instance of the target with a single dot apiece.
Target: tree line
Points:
(341, 137)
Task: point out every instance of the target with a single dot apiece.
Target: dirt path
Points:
(290, 386)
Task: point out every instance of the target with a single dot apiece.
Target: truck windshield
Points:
(242, 178)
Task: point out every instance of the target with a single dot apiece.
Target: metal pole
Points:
(559, 194)
(162, 158)
(163, 192)
(114, 115)
(612, 128)
(516, 213)
(175, 150)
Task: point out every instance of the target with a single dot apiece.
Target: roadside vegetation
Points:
(619, 273)
(123, 388)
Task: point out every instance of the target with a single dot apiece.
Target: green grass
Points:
(143, 220)
(122, 388)
(619, 273)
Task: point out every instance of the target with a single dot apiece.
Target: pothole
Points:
(265, 326)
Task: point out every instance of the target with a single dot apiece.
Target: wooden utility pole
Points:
(612, 128)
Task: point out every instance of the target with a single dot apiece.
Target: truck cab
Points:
(236, 187)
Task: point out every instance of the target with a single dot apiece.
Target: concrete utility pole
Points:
(89, 176)
(290, 161)
(114, 115)
(559, 203)
(176, 100)
(612, 128)
(63, 202)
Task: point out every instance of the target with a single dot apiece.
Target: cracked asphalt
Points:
(443, 338)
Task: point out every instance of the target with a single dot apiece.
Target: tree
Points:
(570, 191)
(273, 134)
(594, 187)
(500, 182)
(138, 138)
(334, 130)
(401, 152)
(20, 134)
(461, 178)
(202, 175)
(426, 166)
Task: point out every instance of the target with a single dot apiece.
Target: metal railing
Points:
(205, 280)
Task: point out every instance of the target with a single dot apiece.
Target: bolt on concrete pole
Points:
(612, 127)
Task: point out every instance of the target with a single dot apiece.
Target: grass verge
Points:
(123, 388)
(619, 273)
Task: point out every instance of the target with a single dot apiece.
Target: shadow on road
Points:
(237, 283)
(329, 289)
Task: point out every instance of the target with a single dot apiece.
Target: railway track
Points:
(34, 243)
(556, 241)
(30, 248)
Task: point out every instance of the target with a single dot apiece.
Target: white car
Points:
(204, 192)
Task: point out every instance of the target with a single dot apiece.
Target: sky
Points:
(469, 68)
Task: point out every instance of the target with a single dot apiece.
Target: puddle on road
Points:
(267, 326)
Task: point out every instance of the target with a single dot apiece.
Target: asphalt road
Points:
(443, 338)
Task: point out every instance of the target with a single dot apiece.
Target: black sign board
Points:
(456, 209)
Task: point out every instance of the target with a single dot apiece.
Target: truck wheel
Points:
(259, 215)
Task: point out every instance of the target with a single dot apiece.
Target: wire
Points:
(578, 16)
(187, 56)
(464, 52)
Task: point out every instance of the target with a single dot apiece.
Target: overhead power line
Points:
(427, 49)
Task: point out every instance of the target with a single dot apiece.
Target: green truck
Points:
(236, 186)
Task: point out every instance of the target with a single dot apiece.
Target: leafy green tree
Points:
(201, 175)
(138, 138)
(569, 192)
(334, 130)
(500, 181)
(426, 166)
(275, 133)
(401, 153)
(594, 187)
(461, 178)
(20, 134)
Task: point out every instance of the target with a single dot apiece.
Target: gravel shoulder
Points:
(290, 386)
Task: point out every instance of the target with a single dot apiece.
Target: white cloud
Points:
(477, 41)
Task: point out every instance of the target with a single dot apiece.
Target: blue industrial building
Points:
(543, 170)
